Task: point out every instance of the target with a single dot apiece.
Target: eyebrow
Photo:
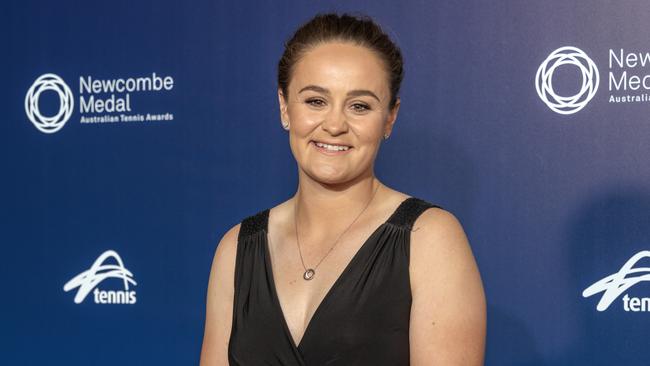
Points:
(353, 93)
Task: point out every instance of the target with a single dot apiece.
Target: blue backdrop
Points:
(551, 202)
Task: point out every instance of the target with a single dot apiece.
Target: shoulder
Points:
(222, 272)
(224, 260)
(437, 226)
(227, 246)
(438, 244)
(219, 300)
(448, 310)
(226, 252)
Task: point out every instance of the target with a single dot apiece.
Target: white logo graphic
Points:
(544, 80)
(88, 280)
(614, 285)
(66, 103)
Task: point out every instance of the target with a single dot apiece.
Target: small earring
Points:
(285, 125)
(386, 136)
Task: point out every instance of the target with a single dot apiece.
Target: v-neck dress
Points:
(363, 319)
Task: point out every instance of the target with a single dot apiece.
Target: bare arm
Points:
(448, 315)
(219, 302)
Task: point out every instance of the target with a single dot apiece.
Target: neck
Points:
(322, 207)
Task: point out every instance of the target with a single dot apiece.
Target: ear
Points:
(392, 117)
(284, 116)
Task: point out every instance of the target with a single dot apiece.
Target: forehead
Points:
(341, 66)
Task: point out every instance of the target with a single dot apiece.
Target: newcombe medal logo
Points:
(567, 56)
(101, 101)
(49, 124)
(88, 280)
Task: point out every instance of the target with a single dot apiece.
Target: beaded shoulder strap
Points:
(408, 211)
(254, 223)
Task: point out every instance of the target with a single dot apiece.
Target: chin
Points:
(327, 175)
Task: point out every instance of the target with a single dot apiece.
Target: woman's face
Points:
(338, 111)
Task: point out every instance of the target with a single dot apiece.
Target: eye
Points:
(315, 102)
(360, 107)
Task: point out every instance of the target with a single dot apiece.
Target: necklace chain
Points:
(311, 272)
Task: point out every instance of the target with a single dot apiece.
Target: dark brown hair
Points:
(360, 30)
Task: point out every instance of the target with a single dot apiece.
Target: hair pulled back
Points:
(360, 30)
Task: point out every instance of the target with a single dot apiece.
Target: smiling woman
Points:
(347, 271)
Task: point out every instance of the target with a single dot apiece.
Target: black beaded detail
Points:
(254, 223)
(409, 211)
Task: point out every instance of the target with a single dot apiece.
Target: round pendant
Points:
(309, 274)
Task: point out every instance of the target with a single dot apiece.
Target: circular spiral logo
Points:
(49, 124)
(544, 80)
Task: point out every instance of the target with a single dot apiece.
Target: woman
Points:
(348, 271)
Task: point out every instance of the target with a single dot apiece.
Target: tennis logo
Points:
(88, 280)
(615, 284)
(567, 104)
(49, 124)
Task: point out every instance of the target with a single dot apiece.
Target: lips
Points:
(331, 143)
(328, 152)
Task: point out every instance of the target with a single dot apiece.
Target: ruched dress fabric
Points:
(363, 319)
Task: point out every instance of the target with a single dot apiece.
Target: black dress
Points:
(363, 319)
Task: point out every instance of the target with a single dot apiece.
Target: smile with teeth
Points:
(331, 147)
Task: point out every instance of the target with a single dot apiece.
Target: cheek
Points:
(303, 121)
(368, 129)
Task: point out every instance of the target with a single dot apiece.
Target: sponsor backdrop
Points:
(134, 134)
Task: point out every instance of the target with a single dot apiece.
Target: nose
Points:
(335, 122)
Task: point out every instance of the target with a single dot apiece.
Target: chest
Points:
(300, 299)
(358, 313)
